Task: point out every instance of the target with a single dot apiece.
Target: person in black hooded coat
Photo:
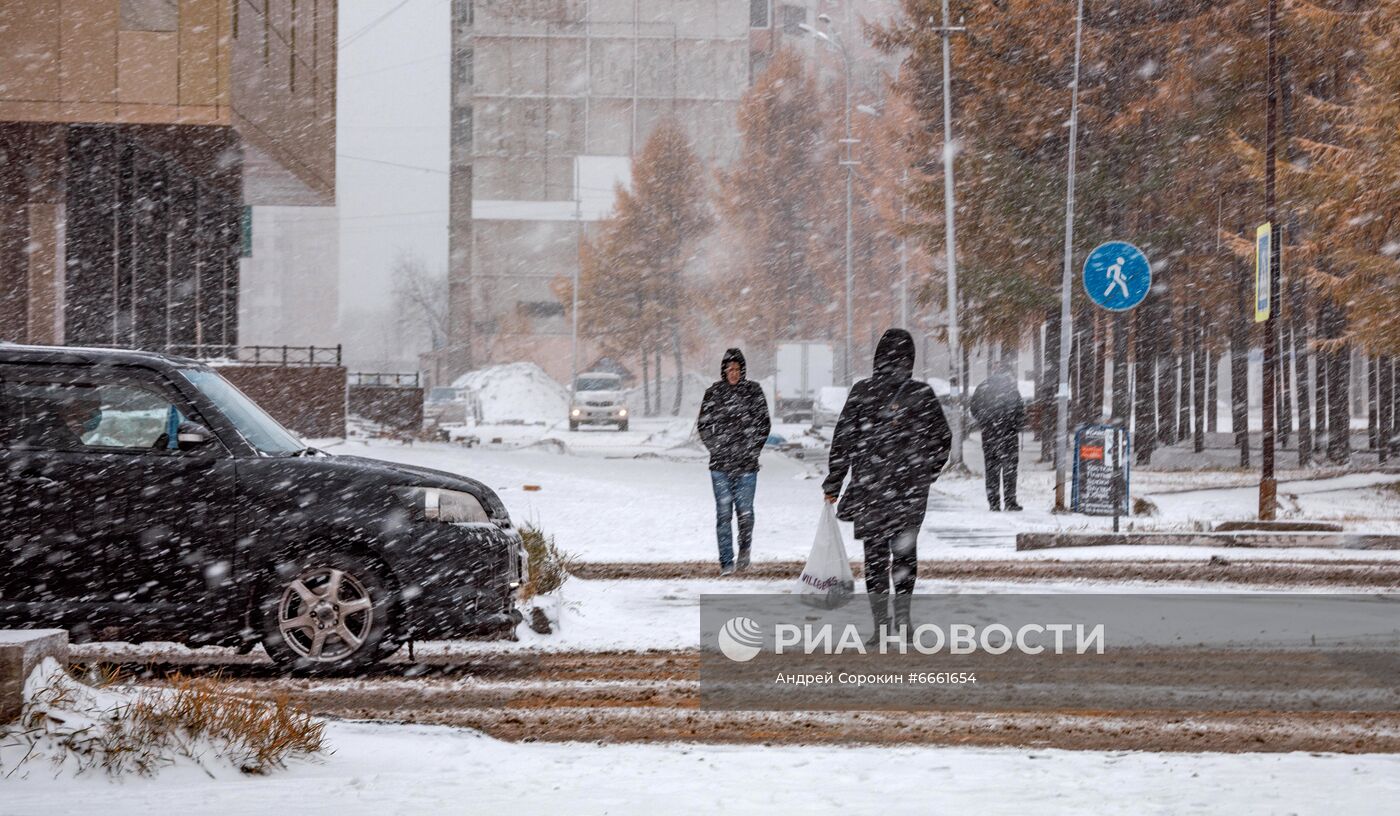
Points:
(734, 425)
(998, 408)
(893, 440)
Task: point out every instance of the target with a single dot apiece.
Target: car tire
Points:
(573, 426)
(327, 613)
(621, 426)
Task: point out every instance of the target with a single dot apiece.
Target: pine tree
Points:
(1350, 183)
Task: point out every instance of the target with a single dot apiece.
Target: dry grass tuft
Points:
(256, 735)
(549, 565)
(196, 720)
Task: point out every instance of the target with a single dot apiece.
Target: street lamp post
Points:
(847, 161)
(1066, 282)
(955, 378)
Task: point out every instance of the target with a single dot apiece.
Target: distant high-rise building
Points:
(134, 137)
(558, 96)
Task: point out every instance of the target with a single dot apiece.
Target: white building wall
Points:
(289, 288)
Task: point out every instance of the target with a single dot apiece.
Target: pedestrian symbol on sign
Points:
(1117, 276)
(1116, 273)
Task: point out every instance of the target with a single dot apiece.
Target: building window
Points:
(540, 308)
(150, 15)
(790, 17)
(758, 13)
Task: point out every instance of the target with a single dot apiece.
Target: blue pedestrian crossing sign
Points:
(1117, 276)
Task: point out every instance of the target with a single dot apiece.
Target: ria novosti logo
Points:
(740, 639)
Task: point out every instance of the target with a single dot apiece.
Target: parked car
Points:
(598, 399)
(826, 409)
(446, 405)
(147, 498)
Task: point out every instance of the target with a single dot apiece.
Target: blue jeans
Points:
(733, 492)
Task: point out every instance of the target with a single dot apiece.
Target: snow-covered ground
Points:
(378, 769)
(645, 495)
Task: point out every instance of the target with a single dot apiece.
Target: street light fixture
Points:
(834, 40)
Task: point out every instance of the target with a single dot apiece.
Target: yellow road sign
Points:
(1263, 283)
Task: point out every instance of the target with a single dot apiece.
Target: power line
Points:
(397, 66)
(392, 164)
(371, 25)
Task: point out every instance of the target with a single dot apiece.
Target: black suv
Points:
(144, 497)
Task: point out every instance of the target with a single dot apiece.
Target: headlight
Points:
(622, 412)
(576, 412)
(451, 506)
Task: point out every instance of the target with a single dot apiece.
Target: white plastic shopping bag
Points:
(826, 581)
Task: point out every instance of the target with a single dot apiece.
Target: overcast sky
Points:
(392, 140)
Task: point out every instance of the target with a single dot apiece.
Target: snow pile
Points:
(68, 728)
(517, 392)
(692, 392)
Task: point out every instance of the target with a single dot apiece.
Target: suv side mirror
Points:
(193, 436)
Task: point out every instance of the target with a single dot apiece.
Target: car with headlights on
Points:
(598, 399)
(147, 498)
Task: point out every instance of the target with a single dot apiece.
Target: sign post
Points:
(1117, 276)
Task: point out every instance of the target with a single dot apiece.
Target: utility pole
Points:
(1067, 280)
(578, 275)
(460, 318)
(903, 254)
(955, 378)
(850, 164)
(1268, 486)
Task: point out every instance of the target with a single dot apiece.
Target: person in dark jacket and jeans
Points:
(734, 425)
(893, 440)
(999, 410)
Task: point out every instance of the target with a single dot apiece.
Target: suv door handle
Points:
(37, 479)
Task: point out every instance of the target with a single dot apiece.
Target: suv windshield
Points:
(262, 431)
(597, 383)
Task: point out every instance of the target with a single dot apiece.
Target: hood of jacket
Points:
(734, 356)
(894, 355)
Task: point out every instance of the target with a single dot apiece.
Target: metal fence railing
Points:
(384, 380)
(264, 355)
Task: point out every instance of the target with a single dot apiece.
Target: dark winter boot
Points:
(902, 624)
(880, 612)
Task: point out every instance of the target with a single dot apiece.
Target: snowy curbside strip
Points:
(1251, 539)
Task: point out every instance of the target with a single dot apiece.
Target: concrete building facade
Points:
(134, 135)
